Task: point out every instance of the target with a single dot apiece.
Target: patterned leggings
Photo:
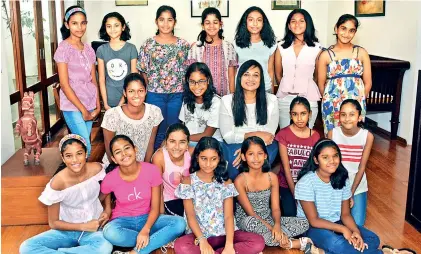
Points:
(291, 226)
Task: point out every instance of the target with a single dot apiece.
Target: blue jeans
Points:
(170, 105)
(335, 243)
(359, 210)
(77, 125)
(229, 150)
(60, 241)
(123, 231)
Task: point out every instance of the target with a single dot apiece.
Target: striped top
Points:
(327, 200)
(352, 149)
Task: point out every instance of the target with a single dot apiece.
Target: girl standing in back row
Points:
(295, 62)
(255, 39)
(344, 72)
(162, 60)
(218, 54)
(79, 96)
(116, 59)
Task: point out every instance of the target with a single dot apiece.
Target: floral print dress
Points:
(208, 200)
(164, 65)
(344, 81)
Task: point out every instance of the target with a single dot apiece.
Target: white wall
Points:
(396, 35)
(7, 140)
(142, 18)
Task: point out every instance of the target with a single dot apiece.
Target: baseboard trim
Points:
(373, 126)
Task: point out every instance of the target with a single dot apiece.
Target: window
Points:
(29, 30)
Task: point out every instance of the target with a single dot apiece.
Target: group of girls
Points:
(296, 66)
(225, 147)
(153, 203)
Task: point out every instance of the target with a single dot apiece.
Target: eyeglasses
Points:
(198, 83)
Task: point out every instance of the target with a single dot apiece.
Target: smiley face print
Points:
(117, 69)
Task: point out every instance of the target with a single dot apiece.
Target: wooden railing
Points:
(385, 95)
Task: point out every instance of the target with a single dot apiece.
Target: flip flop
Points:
(408, 250)
(392, 250)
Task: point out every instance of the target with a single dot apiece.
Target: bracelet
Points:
(198, 239)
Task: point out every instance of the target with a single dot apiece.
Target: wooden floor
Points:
(387, 173)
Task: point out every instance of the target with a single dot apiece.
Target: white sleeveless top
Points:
(78, 203)
(352, 151)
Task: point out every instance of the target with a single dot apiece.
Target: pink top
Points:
(173, 173)
(298, 152)
(133, 198)
(298, 72)
(79, 66)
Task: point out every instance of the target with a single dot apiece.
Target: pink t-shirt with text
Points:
(298, 152)
(133, 198)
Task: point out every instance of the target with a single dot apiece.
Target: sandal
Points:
(304, 242)
(308, 246)
(406, 250)
(168, 245)
(390, 249)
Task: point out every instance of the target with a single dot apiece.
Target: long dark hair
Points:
(188, 97)
(162, 9)
(65, 32)
(309, 34)
(125, 34)
(116, 138)
(245, 147)
(337, 179)
(202, 35)
(357, 106)
(63, 148)
(238, 102)
(221, 172)
(242, 35)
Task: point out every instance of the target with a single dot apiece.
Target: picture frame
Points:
(131, 2)
(286, 4)
(373, 8)
(197, 7)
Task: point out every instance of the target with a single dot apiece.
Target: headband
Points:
(71, 136)
(321, 142)
(70, 12)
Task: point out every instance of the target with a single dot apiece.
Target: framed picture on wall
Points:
(197, 7)
(367, 8)
(131, 2)
(286, 4)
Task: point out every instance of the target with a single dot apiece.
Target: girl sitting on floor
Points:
(135, 220)
(258, 210)
(208, 203)
(75, 213)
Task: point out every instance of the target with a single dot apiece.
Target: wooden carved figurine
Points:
(27, 128)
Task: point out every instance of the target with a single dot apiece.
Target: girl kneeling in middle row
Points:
(135, 220)
(173, 160)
